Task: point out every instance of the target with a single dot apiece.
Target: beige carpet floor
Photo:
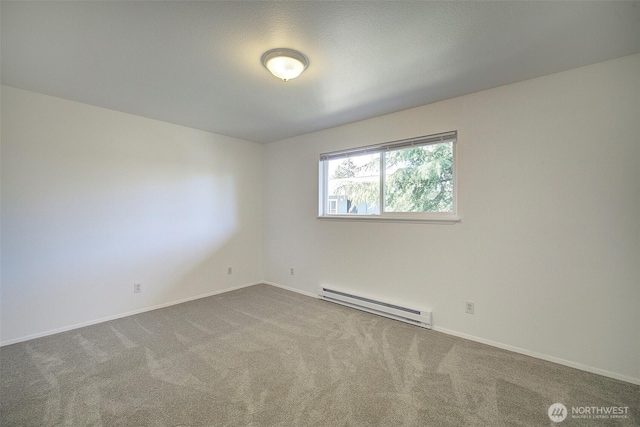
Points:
(263, 356)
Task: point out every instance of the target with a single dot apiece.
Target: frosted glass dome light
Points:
(285, 64)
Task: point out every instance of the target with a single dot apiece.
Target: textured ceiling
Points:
(198, 63)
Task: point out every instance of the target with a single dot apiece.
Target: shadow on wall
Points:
(94, 201)
(79, 261)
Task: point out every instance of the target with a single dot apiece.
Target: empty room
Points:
(319, 213)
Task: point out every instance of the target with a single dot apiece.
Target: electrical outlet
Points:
(137, 288)
(229, 270)
(468, 306)
(291, 271)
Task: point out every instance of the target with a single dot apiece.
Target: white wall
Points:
(549, 196)
(95, 200)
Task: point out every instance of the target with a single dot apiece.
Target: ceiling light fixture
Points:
(285, 64)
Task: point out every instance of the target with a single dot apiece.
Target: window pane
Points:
(353, 185)
(419, 179)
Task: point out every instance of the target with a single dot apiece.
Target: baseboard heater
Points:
(404, 314)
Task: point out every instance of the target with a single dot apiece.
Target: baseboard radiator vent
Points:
(404, 314)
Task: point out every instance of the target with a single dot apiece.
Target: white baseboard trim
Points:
(541, 356)
(277, 285)
(121, 315)
(518, 350)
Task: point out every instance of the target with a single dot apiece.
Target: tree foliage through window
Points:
(416, 179)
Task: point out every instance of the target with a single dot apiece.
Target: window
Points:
(412, 179)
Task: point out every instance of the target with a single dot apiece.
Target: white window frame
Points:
(426, 217)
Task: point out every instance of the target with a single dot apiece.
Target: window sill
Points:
(444, 220)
